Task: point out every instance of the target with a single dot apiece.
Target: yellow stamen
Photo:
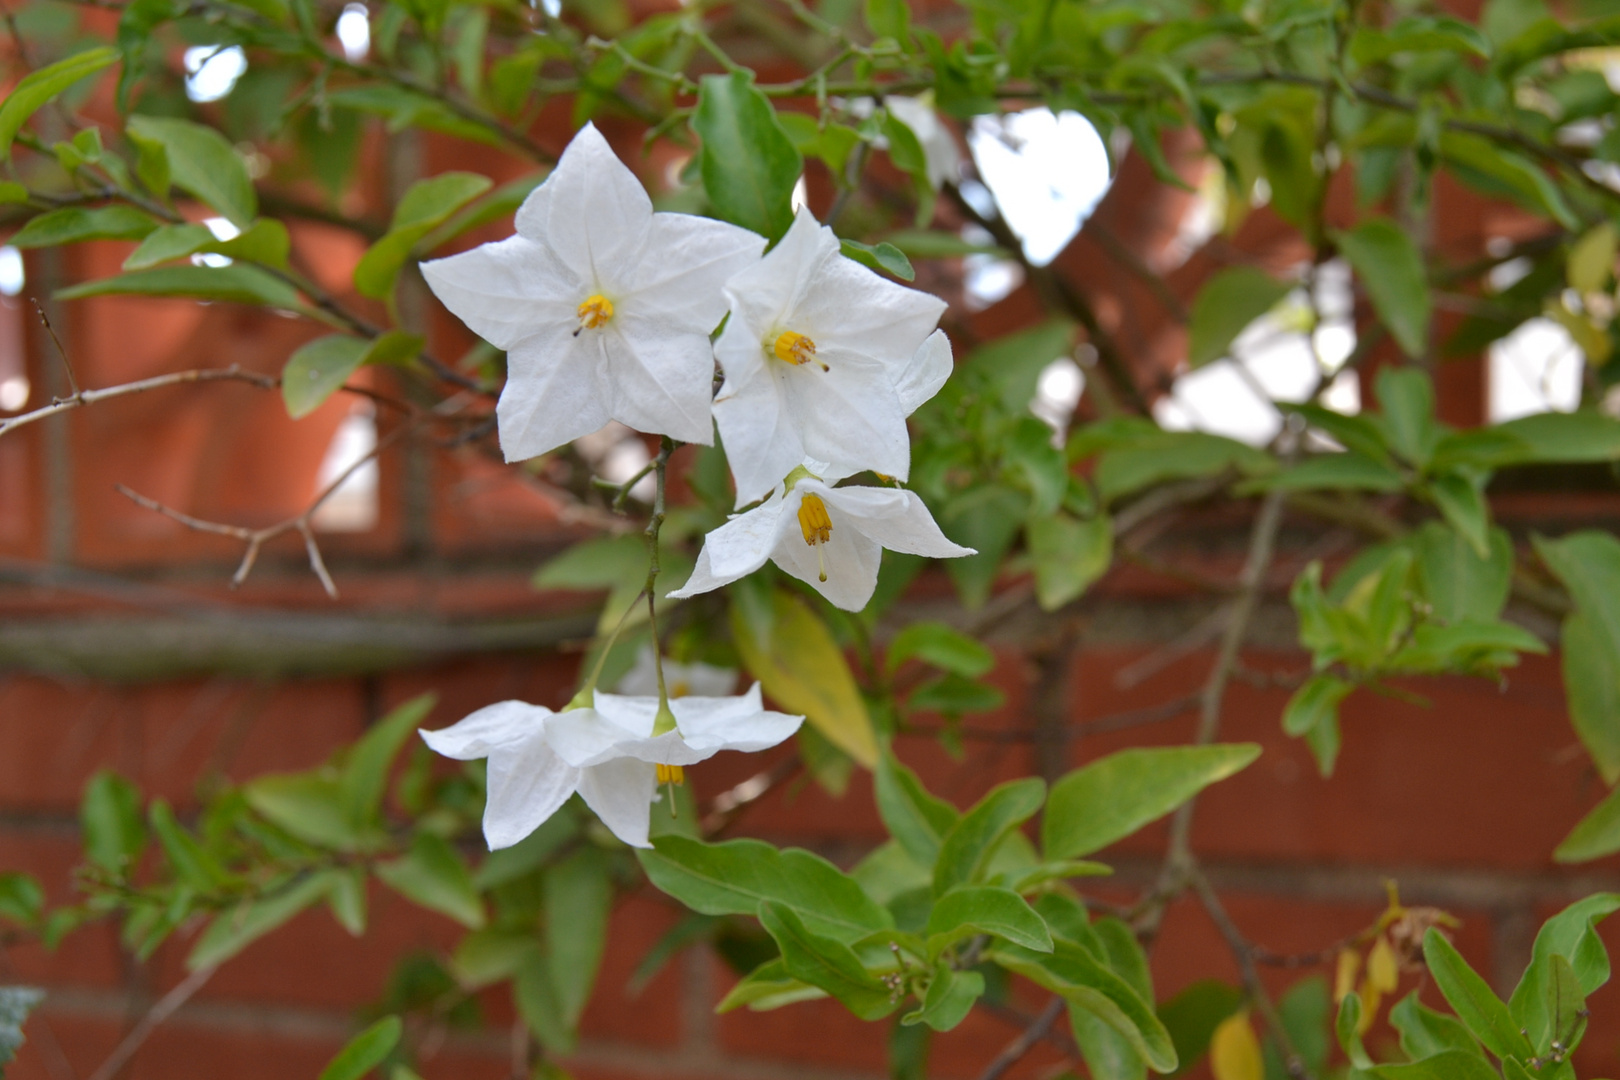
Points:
(679, 688)
(670, 774)
(594, 313)
(816, 526)
(795, 349)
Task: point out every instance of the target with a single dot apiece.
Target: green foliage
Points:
(202, 163)
(748, 163)
(365, 1051)
(426, 205)
(1226, 305)
(37, 88)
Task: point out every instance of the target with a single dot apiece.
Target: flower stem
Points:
(665, 720)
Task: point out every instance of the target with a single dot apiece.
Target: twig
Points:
(165, 1007)
(1243, 951)
(67, 365)
(1013, 1052)
(729, 803)
(90, 397)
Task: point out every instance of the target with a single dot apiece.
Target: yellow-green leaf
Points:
(802, 667)
(1234, 1050)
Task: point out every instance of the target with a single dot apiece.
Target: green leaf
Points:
(1226, 305)
(21, 898)
(434, 876)
(1109, 799)
(365, 772)
(203, 163)
(365, 1051)
(1069, 555)
(1461, 500)
(985, 518)
(939, 645)
(114, 830)
(579, 899)
(1481, 1011)
(529, 854)
(768, 987)
(1336, 472)
(1425, 1032)
(76, 223)
(1391, 270)
(937, 244)
(968, 910)
(1591, 259)
(1313, 712)
(347, 899)
(1174, 455)
(825, 962)
(309, 805)
(316, 371)
(888, 18)
(917, 820)
(1089, 986)
(1588, 564)
(1595, 835)
(169, 242)
(266, 241)
(748, 163)
(1192, 1016)
(1561, 437)
(192, 866)
(736, 877)
(949, 998)
(800, 665)
(967, 847)
(234, 929)
(425, 205)
(1446, 1065)
(39, 87)
(882, 256)
(237, 284)
(1348, 1028)
(16, 1002)
(1458, 584)
(535, 995)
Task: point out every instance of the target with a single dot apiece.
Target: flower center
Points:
(670, 774)
(816, 526)
(594, 313)
(796, 349)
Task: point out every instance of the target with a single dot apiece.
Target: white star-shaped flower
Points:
(604, 307)
(944, 160)
(814, 354)
(831, 538)
(608, 753)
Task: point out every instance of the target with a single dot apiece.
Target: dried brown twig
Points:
(80, 398)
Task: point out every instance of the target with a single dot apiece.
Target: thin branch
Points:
(67, 365)
(177, 378)
(1014, 1052)
(165, 1007)
(1244, 952)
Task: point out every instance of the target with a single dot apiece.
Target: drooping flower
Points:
(831, 538)
(814, 353)
(704, 680)
(604, 307)
(607, 752)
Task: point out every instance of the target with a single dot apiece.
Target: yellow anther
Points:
(816, 526)
(594, 313)
(670, 774)
(679, 688)
(795, 349)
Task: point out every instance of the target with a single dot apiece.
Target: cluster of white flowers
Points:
(607, 311)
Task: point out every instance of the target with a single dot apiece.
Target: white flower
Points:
(943, 159)
(603, 307)
(608, 753)
(831, 538)
(814, 354)
(705, 680)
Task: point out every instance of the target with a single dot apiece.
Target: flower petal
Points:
(591, 210)
(551, 395)
(487, 730)
(896, 519)
(850, 558)
(660, 380)
(621, 793)
(854, 308)
(586, 737)
(528, 782)
(765, 294)
(506, 291)
(847, 415)
(760, 434)
(712, 724)
(689, 260)
(737, 548)
(930, 366)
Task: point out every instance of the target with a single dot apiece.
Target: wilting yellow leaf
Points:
(1383, 971)
(1344, 974)
(1234, 1050)
(800, 666)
